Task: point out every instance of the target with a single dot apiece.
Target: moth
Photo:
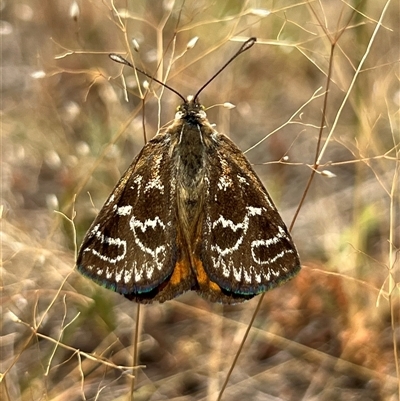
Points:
(190, 213)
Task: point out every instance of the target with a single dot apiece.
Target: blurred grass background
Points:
(67, 134)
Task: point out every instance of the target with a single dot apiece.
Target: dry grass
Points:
(333, 332)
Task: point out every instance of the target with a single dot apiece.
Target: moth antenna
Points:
(245, 46)
(119, 59)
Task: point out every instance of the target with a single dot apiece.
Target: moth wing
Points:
(131, 247)
(245, 246)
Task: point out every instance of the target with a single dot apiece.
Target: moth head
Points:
(191, 109)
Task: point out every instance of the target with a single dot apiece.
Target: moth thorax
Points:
(191, 152)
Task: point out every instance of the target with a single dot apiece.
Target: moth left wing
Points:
(132, 246)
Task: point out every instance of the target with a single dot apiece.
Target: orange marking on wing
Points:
(181, 272)
(202, 278)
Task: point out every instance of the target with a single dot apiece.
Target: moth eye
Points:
(202, 113)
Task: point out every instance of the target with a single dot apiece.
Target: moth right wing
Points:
(245, 247)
